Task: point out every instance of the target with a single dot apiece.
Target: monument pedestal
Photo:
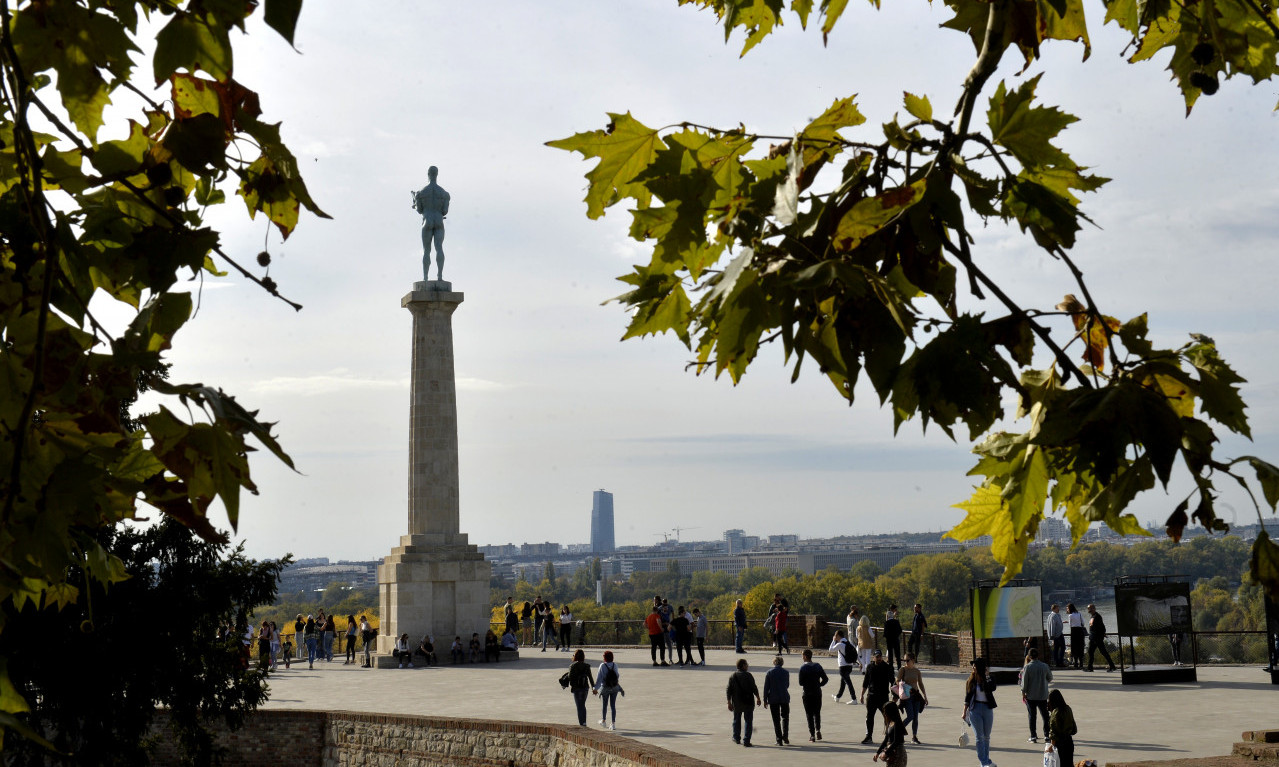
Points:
(432, 587)
(435, 582)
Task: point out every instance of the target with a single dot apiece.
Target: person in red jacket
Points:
(779, 629)
(656, 640)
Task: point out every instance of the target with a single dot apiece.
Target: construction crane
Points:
(678, 530)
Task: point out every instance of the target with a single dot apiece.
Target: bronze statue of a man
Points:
(433, 203)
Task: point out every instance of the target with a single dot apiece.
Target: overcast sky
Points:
(551, 406)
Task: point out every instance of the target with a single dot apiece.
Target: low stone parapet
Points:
(345, 738)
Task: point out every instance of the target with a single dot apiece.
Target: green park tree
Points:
(847, 242)
(93, 673)
(92, 212)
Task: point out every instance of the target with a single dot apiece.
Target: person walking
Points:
(312, 634)
(656, 644)
(893, 635)
(739, 625)
(1061, 728)
(812, 678)
(566, 628)
(878, 681)
(743, 696)
(979, 708)
(845, 656)
(700, 627)
(918, 698)
(1035, 676)
(1075, 622)
(865, 642)
(918, 624)
(777, 700)
(1097, 638)
(580, 682)
(607, 685)
(351, 629)
(892, 752)
(1057, 635)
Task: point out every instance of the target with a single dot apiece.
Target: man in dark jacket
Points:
(918, 624)
(743, 696)
(893, 635)
(878, 679)
(812, 677)
(1097, 638)
(777, 700)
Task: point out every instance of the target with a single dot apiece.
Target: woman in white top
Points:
(402, 651)
(1077, 635)
(607, 685)
(566, 628)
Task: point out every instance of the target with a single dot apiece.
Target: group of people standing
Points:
(316, 634)
(537, 622)
(671, 632)
(1092, 629)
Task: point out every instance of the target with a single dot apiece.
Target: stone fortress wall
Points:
(347, 739)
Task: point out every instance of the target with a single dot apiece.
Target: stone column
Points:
(435, 582)
(433, 496)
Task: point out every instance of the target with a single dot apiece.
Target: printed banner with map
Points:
(1014, 611)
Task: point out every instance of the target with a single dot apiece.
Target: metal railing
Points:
(1199, 648)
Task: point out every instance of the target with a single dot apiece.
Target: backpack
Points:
(610, 676)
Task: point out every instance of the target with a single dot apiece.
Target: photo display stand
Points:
(1005, 620)
(1152, 612)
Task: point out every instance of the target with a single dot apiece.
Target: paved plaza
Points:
(683, 709)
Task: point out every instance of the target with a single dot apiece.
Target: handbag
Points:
(902, 690)
(564, 680)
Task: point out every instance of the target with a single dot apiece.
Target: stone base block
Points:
(442, 591)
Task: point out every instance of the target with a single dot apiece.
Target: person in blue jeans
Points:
(739, 623)
(310, 631)
(580, 681)
(979, 708)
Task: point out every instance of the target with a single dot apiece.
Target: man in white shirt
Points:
(1057, 635)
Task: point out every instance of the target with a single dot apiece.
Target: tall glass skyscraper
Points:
(602, 522)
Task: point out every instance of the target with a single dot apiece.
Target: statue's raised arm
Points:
(432, 202)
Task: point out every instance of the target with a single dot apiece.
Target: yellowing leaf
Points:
(919, 107)
(625, 148)
(874, 213)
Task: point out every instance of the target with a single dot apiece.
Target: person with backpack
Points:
(580, 681)
(846, 655)
(607, 686)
